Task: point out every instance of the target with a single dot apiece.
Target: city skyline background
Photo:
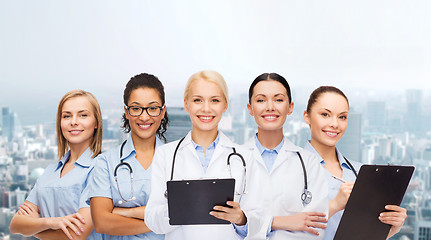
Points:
(368, 49)
(378, 53)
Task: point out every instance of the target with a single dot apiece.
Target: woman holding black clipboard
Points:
(327, 114)
(202, 154)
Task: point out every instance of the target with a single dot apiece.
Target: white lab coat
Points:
(282, 187)
(188, 166)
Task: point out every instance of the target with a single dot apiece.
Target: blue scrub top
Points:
(334, 186)
(58, 197)
(103, 184)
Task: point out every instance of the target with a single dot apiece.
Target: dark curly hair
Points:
(145, 80)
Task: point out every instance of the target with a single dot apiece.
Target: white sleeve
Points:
(251, 203)
(156, 212)
(318, 186)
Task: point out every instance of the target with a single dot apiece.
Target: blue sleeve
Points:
(32, 196)
(86, 189)
(241, 230)
(268, 232)
(99, 184)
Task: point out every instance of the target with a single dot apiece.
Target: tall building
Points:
(414, 110)
(11, 126)
(107, 132)
(8, 123)
(376, 116)
(350, 143)
(240, 117)
(423, 229)
(179, 123)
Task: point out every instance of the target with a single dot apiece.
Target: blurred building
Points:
(413, 113)
(179, 123)
(350, 143)
(376, 116)
(11, 126)
(423, 225)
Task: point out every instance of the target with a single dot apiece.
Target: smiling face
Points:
(206, 104)
(144, 126)
(327, 119)
(269, 105)
(78, 121)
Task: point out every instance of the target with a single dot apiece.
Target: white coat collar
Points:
(288, 146)
(224, 141)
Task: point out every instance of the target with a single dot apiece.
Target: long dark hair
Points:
(145, 80)
(268, 77)
(321, 90)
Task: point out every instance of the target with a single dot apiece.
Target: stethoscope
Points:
(234, 153)
(351, 167)
(122, 163)
(306, 195)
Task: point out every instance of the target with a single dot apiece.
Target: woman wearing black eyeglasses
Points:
(120, 184)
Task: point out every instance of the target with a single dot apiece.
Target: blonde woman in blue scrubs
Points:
(56, 207)
(327, 113)
(120, 185)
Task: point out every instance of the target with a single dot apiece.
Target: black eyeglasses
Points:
(152, 111)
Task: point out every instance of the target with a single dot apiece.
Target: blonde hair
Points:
(96, 142)
(210, 76)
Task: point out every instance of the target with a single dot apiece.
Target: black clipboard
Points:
(375, 187)
(190, 201)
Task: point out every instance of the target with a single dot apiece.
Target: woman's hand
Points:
(26, 209)
(340, 201)
(395, 217)
(234, 214)
(73, 221)
(304, 221)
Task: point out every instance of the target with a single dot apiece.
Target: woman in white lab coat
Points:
(327, 113)
(202, 154)
(295, 205)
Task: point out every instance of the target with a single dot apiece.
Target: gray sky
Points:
(50, 47)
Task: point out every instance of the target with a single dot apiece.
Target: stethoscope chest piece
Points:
(306, 197)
